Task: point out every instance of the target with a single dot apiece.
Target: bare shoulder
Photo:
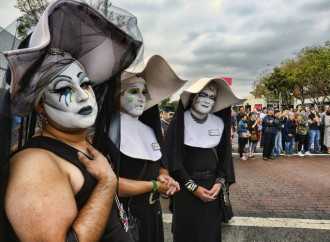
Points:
(32, 158)
(37, 190)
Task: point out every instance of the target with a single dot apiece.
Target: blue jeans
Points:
(314, 135)
(289, 145)
(278, 142)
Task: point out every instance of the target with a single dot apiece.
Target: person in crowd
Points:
(269, 124)
(199, 153)
(322, 130)
(302, 131)
(240, 114)
(253, 125)
(247, 112)
(299, 107)
(142, 166)
(166, 118)
(289, 134)
(278, 137)
(261, 118)
(296, 115)
(243, 135)
(285, 116)
(314, 135)
(326, 139)
(233, 124)
(291, 110)
(59, 187)
(307, 111)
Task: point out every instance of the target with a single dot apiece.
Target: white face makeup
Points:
(69, 99)
(134, 98)
(204, 100)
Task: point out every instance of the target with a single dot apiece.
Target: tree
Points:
(258, 87)
(164, 103)
(305, 76)
(33, 9)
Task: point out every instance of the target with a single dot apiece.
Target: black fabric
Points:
(114, 230)
(303, 141)
(269, 143)
(314, 125)
(194, 220)
(175, 148)
(242, 142)
(270, 124)
(149, 215)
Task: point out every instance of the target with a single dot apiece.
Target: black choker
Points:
(198, 120)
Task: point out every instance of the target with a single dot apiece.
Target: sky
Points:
(222, 38)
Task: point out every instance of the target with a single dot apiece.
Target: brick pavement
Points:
(295, 187)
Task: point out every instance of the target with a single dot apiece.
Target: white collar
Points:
(206, 135)
(137, 139)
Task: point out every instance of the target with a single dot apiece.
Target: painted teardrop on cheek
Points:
(88, 91)
(65, 98)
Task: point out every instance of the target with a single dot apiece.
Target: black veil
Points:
(174, 143)
(75, 28)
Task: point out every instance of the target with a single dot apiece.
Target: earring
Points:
(42, 120)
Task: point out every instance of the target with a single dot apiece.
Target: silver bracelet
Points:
(191, 186)
(221, 181)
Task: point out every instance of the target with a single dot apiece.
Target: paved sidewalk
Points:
(290, 187)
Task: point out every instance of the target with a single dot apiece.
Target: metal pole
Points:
(105, 12)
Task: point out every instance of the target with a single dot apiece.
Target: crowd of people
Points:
(285, 131)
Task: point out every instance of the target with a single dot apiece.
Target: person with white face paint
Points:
(141, 165)
(58, 187)
(69, 99)
(198, 150)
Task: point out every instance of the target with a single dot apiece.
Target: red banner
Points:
(228, 80)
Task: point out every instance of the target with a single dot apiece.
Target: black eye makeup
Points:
(62, 90)
(87, 83)
(202, 94)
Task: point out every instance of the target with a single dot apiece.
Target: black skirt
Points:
(145, 207)
(194, 220)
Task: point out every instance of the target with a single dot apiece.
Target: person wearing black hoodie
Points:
(270, 132)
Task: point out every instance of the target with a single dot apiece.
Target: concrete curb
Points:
(271, 222)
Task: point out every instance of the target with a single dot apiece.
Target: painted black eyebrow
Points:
(61, 78)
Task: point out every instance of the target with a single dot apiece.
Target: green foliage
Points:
(33, 9)
(167, 102)
(305, 76)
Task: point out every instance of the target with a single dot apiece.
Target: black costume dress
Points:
(114, 229)
(194, 220)
(190, 212)
(145, 207)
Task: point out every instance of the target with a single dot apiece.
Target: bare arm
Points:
(40, 203)
(129, 187)
(165, 184)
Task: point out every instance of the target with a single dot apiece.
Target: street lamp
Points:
(105, 8)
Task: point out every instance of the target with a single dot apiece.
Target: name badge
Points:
(214, 132)
(155, 146)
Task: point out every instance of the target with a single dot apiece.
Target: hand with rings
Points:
(204, 194)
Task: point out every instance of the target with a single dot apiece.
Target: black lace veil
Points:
(104, 48)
